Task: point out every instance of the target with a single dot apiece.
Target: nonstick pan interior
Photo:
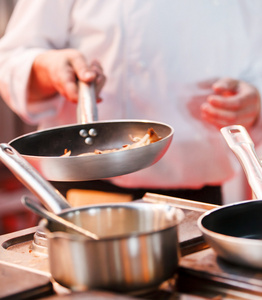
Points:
(242, 220)
(109, 135)
(234, 232)
(43, 149)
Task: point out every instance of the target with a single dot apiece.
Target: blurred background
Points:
(13, 216)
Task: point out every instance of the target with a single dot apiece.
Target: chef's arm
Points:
(55, 71)
(29, 33)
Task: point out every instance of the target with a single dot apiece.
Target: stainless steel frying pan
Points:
(43, 149)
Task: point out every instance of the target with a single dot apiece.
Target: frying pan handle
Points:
(86, 107)
(47, 194)
(242, 145)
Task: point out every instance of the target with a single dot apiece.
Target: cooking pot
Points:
(138, 243)
(44, 149)
(138, 247)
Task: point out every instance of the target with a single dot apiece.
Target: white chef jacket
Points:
(158, 56)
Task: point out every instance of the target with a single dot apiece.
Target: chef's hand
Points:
(55, 71)
(233, 102)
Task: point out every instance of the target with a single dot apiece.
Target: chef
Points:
(195, 65)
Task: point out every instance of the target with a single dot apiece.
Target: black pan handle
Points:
(86, 108)
(29, 176)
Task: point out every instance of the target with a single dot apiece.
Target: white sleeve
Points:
(31, 31)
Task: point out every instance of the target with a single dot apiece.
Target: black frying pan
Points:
(43, 149)
(235, 231)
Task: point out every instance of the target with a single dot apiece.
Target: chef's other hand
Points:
(233, 102)
(55, 71)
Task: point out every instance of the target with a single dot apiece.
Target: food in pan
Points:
(150, 137)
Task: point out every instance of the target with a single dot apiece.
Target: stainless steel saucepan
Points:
(138, 244)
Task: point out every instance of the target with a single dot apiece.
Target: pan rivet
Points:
(92, 132)
(83, 133)
(89, 141)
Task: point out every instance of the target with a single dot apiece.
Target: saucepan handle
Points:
(243, 147)
(25, 172)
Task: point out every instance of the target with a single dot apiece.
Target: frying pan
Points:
(235, 231)
(43, 149)
(138, 244)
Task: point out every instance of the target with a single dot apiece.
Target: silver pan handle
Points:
(47, 194)
(178, 202)
(86, 107)
(242, 145)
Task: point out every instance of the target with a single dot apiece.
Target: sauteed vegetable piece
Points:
(150, 137)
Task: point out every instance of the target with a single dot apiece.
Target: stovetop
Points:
(201, 274)
(205, 272)
(26, 250)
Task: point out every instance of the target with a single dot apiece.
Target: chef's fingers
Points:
(51, 73)
(66, 84)
(57, 72)
(79, 64)
(100, 76)
(75, 66)
(247, 98)
(236, 102)
(225, 86)
(89, 73)
(223, 117)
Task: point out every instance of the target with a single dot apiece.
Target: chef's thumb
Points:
(225, 86)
